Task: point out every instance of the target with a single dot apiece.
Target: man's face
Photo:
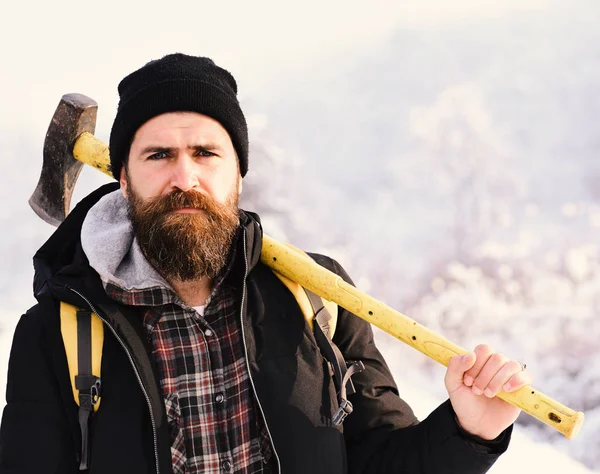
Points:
(182, 181)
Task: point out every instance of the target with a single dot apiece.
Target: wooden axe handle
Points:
(308, 273)
(332, 287)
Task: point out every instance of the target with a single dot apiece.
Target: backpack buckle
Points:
(342, 412)
(89, 390)
(95, 392)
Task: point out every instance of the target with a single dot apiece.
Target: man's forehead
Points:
(173, 125)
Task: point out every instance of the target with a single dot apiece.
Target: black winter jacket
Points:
(40, 431)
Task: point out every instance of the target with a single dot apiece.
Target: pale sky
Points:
(52, 48)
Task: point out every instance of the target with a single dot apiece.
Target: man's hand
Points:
(473, 381)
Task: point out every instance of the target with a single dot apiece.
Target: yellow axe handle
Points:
(332, 287)
(94, 152)
(303, 270)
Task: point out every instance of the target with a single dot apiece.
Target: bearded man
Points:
(208, 365)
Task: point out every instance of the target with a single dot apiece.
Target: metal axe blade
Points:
(51, 199)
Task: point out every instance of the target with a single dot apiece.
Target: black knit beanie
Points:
(177, 82)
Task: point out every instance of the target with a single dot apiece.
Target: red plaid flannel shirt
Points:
(214, 421)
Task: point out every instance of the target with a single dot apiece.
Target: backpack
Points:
(83, 337)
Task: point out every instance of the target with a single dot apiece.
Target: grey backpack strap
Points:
(342, 372)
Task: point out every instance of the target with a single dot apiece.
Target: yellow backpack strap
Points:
(83, 336)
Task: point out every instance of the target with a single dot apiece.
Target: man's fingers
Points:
(517, 381)
(488, 372)
(509, 377)
(482, 353)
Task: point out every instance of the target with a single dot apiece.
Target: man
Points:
(208, 364)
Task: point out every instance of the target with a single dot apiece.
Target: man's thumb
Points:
(456, 370)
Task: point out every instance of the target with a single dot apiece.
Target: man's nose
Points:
(184, 173)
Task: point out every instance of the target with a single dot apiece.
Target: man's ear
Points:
(123, 182)
(240, 186)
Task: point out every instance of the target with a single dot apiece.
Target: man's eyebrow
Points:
(168, 149)
(156, 149)
(205, 146)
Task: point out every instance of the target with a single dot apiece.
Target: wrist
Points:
(476, 434)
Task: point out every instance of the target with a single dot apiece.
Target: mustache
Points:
(179, 200)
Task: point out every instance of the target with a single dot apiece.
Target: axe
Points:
(70, 143)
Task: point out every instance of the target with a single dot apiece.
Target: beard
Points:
(184, 246)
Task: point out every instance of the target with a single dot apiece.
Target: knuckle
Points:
(518, 378)
(498, 358)
(517, 381)
(515, 366)
(483, 349)
(524, 377)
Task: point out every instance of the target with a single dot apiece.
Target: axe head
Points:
(74, 115)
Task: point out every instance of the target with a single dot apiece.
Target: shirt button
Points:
(208, 333)
(226, 465)
(220, 398)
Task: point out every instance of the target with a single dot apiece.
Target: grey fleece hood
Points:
(108, 242)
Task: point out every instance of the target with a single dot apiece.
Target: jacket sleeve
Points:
(34, 434)
(383, 435)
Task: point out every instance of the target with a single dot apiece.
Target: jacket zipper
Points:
(137, 374)
(248, 363)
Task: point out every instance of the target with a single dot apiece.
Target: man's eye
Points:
(158, 155)
(204, 153)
